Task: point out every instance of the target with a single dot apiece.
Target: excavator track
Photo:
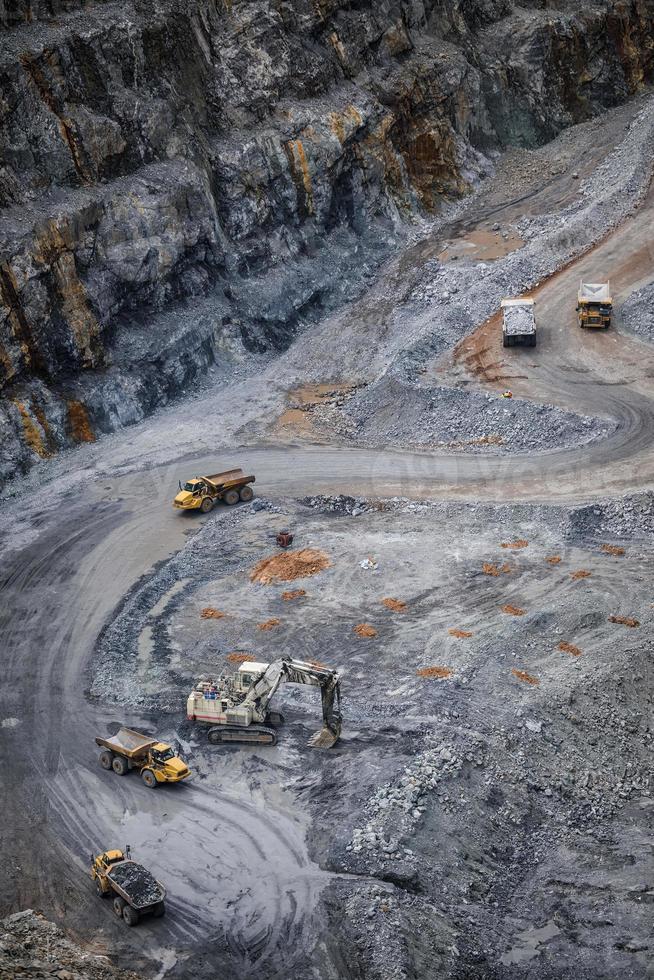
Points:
(256, 734)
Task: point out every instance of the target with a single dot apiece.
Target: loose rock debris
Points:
(515, 545)
(569, 648)
(624, 621)
(460, 634)
(395, 605)
(582, 573)
(289, 566)
(365, 629)
(613, 549)
(268, 625)
(295, 594)
(440, 673)
(526, 678)
(210, 613)
(513, 610)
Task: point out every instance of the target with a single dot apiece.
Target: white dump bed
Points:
(595, 292)
(519, 319)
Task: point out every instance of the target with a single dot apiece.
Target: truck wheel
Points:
(130, 915)
(106, 758)
(206, 505)
(532, 341)
(149, 778)
(118, 905)
(231, 497)
(159, 910)
(98, 888)
(246, 493)
(119, 765)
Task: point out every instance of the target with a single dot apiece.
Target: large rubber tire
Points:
(207, 505)
(149, 778)
(106, 758)
(119, 765)
(505, 342)
(230, 497)
(118, 906)
(98, 888)
(130, 915)
(159, 909)
(246, 493)
(532, 341)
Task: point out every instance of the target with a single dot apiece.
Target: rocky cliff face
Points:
(178, 173)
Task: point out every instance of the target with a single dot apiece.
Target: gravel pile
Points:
(637, 314)
(474, 421)
(31, 947)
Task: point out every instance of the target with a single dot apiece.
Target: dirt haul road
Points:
(235, 859)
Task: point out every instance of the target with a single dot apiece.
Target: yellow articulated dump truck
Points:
(594, 305)
(202, 492)
(155, 760)
(135, 892)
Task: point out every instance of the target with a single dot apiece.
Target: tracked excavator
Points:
(236, 706)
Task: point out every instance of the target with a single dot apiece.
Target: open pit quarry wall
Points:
(179, 176)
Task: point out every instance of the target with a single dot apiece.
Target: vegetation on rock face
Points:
(241, 151)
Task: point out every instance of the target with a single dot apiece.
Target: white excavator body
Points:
(236, 705)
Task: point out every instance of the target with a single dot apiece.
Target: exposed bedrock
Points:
(261, 155)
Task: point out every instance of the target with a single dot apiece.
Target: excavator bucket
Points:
(331, 716)
(326, 737)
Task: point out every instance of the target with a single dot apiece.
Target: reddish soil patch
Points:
(526, 678)
(438, 672)
(515, 545)
(289, 565)
(295, 594)
(489, 569)
(268, 625)
(624, 621)
(554, 560)
(612, 549)
(513, 611)
(210, 613)
(582, 573)
(570, 648)
(239, 658)
(395, 605)
(460, 634)
(365, 629)
(78, 422)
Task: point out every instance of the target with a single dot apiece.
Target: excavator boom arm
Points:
(300, 672)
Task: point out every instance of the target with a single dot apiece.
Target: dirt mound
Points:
(624, 621)
(460, 634)
(612, 549)
(526, 678)
(239, 658)
(289, 565)
(513, 611)
(210, 613)
(488, 568)
(30, 946)
(554, 560)
(582, 573)
(268, 625)
(395, 605)
(295, 594)
(365, 629)
(438, 672)
(569, 648)
(515, 545)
